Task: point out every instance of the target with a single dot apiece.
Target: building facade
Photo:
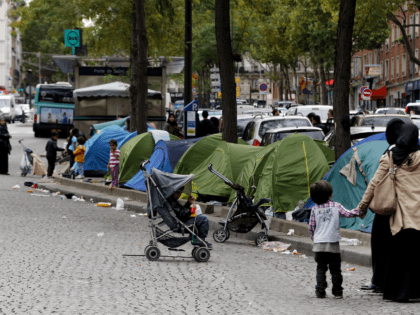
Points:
(10, 50)
(399, 81)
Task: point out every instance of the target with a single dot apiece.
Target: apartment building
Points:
(399, 81)
(10, 50)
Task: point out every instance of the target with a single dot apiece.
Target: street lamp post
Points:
(29, 76)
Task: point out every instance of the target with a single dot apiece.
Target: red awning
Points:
(378, 94)
(331, 82)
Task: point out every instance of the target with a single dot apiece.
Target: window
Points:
(403, 65)
(56, 95)
(364, 60)
(417, 22)
(375, 57)
(392, 68)
(386, 70)
(359, 68)
(382, 67)
(397, 67)
(387, 45)
(282, 123)
(393, 34)
(249, 131)
(370, 58)
(398, 33)
(416, 66)
(409, 29)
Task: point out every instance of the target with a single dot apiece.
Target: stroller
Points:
(160, 186)
(27, 162)
(246, 216)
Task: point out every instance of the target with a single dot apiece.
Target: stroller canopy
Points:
(169, 183)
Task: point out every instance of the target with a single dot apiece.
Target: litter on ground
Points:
(103, 204)
(276, 246)
(291, 232)
(16, 187)
(101, 234)
(350, 242)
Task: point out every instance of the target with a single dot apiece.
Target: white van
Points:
(304, 110)
(7, 108)
(412, 109)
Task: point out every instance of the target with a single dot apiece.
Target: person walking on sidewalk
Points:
(79, 157)
(52, 149)
(72, 144)
(324, 230)
(114, 163)
(5, 147)
(401, 281)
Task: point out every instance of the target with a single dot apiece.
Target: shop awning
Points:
(378, 94)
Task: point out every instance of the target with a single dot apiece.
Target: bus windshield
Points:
(56, 94)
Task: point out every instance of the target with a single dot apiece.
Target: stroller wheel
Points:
(202, 254)
(152, 253)
(145, 250)
(261, 238)
(221, 235)
(193, 251)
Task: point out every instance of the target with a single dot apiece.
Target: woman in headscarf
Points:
(381, 230)
(5, 148)
(401, 280)
(171, 125)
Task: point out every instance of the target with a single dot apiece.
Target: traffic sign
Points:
(31, 90)
(72, 38)
(194, 90)
(238, 88)
(367, 93)
(215, 90)
(263, 87)
(237, 80)
(21, 90)
(214, 76)
(219, 94)
(362, 89)
(305, 91)
(215, 83)
(214, 69)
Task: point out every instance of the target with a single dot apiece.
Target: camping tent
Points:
(227, 159)
(285, 159)
(118, 122)
(199, 151)
(97, 149)
(133, 152)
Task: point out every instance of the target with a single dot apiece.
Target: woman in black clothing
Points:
(5, 148)
(171, 125)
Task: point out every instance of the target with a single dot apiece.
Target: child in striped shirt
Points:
(114, 163)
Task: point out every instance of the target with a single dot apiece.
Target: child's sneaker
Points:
(338, 297)
(80, 177)
(321, 295)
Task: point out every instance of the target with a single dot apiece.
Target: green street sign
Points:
(21, 90)
(72, 38)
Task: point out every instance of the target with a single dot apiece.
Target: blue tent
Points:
(158, 160)
(97, 149)
(177, 148)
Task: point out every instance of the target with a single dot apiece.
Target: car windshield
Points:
(390, 111)
(4, 103)
(281, 123)
(242, 123)
(382, 121)
(313, 134)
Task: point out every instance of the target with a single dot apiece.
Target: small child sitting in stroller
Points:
(183, 212)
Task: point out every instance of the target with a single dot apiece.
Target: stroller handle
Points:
(227, 181)
(143, 164)
(20, 141)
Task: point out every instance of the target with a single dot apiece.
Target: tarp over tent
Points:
(133, 152)
(118, 122)
(198, 152)
(159, 160)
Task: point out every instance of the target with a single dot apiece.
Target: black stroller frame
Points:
(201, 253)
(245, 218)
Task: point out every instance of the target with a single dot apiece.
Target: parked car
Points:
(284, 104)
(256, 129)
(278, 134)
(260, 103)
(304, 110)
(7, 108)
(241, 101)
(390, 110)
(412, 109)
(241, 108)
(416, 120)
(367, 125)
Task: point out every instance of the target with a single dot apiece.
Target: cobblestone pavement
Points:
(54, 262)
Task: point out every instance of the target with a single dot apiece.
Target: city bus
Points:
(54, 105)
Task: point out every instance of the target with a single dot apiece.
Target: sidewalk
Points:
(136, 201)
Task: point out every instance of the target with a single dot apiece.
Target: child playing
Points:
(114, 163)
(52, 149)
(79, 157)
(324, 230)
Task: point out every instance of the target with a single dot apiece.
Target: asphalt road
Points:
(55, 260)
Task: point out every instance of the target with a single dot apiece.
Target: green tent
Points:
(133, 152)
(328, 152)
(198, 152)
(283, 171)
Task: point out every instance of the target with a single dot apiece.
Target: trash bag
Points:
(120, 204)
(302, 215)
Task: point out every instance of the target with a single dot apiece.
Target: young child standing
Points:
(114, 163)
(324, 230)
(79, 157)
(52, 149)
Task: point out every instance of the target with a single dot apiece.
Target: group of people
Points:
(205, 127)
(394, 238)
(316, 121)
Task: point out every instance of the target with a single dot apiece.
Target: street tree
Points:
(227, 70)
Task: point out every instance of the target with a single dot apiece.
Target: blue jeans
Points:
(80, 168)
(202, 225)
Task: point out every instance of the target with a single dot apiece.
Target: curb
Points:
(359, 255)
